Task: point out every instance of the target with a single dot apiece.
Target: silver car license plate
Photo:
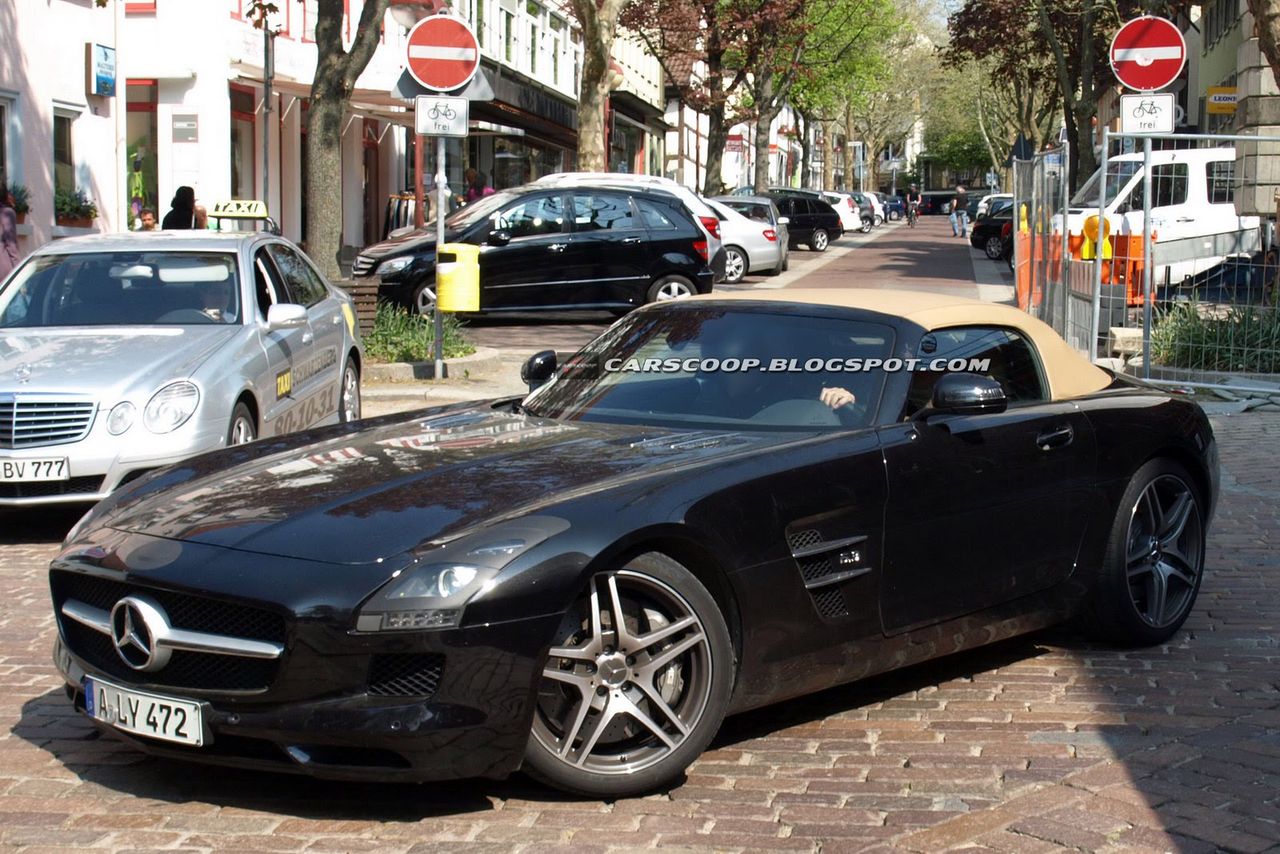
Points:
(143, 713)
(32, 469)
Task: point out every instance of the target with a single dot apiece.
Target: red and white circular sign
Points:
(443, 53)
(1148, 53)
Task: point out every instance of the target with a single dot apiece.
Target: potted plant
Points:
(21, 201)
(74, 209)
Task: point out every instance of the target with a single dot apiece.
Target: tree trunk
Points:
(599, 22)
(717, 135)
(828, 129)
(1266, 15)
(762, 92)
(850, 164)
(806, 149)
(324, 173)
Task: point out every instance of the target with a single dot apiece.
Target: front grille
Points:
(44, 489)
(364, 266)
(31, 420)
(196, 613)
(398, 675)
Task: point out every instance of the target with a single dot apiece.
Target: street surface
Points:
(1039, 744)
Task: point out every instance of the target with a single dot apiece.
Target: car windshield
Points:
(465, 217)
(717, 367)
(122, 288)
(1118, 174)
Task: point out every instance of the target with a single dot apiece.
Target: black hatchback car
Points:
(549, 247)
(812, 221)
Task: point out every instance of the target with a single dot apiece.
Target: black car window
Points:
(303, 283)
(787, 206)
(266, 284)
(1011, 362)
(1168, 186)
(531, 217)
(655, 216)
(602, 212)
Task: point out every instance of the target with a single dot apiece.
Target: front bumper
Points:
(336, 703)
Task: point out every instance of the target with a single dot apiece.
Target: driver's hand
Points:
(836, 397)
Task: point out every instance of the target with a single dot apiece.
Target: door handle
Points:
(1059, 437)
(307, 337)
(557, 247)
(631, 240)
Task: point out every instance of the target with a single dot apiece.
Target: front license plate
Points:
(30, 470)
(152, 715)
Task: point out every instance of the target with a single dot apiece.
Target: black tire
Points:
(243, 428)
(613, 754)
(736, 265)
(1154, 562)
(820, 240)
(349, 392)
(671, 287)
(993, 246)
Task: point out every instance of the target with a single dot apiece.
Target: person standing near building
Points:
(960, 213)
(182, 210)
(147, 220)
(477, 186)
(8, 231)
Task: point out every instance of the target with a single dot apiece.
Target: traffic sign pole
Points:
(442, 184)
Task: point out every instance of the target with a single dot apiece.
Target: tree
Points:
(1266, 18)
(599, 22)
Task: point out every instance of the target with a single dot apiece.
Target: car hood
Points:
(105, 360)
(418, 240)
(358, 496)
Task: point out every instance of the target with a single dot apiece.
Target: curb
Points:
(484, 359)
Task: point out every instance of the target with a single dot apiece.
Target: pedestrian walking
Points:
(960, 213)
(8, 231)
(182, 210)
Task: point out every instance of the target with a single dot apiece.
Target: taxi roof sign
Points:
(240, 209)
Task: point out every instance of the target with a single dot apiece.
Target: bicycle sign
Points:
(436, 115)
(1150, 113)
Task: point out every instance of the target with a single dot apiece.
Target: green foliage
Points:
(400, 336)
(958, 149)
(73, 204)
(1210, 338)
(21, 198)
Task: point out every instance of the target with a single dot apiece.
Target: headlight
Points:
(395, 265)
(171, 406)
(121, 417)
(433, 593)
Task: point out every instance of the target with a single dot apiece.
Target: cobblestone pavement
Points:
(1037, 744)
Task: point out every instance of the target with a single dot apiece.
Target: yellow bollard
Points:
(458, 277)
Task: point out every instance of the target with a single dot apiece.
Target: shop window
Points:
(141, 139)
(64, 164)
(243, 148)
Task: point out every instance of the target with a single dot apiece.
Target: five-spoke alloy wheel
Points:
(735, 265)
(636, 685)
(1155, 558)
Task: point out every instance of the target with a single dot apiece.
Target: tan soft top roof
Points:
(1069, 373)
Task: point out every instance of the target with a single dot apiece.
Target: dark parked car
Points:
(866, 210)
(556, 247)
(992, 234)
(585, 581)
(936, 201)
(895, 207)
(811, 221)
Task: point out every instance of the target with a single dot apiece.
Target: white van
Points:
(1193, 209)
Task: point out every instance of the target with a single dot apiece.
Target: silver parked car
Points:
(763, 210)
(750, 245)
(122, 353)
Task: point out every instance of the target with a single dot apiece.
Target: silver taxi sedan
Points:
(122, 353)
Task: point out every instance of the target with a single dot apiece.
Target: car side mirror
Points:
(784, 220)
(286, 316)
(966, 394)
(499, 238)
(538, 368)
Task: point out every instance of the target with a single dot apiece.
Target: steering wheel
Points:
(798, 412)
(185, 315)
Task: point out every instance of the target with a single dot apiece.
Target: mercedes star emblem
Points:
(137, 626)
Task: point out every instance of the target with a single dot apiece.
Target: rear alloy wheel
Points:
(349, 405)
(994, 247)
(879, 220)
(735, 265)
(1154, 561)
(424, 298)
(636, 684)
(243, 429)
(866, 226)
(669, 288)
(819, 241)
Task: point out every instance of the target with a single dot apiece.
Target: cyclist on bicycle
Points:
(913, 203)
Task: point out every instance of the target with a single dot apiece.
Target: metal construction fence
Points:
(1150, 264)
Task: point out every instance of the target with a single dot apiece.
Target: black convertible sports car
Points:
(718, 504)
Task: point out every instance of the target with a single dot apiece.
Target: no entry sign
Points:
(443, 53)
(1148, 53)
